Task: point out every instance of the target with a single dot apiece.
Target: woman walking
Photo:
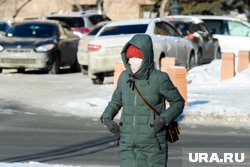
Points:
(143, 140)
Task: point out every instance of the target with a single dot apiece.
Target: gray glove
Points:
(159, 124)
(112, 126)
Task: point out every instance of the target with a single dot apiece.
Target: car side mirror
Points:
(203, 34)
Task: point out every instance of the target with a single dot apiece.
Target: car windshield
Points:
(215, 26)
(32, 30)
(124, 29)
(95, 30)
(98, 18)
(73, 22)
(238, 29)
(183, 27)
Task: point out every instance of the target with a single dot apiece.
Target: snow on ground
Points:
(36, 164)
(217, 102)
(209, 99)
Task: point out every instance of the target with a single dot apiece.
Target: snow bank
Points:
(213, 101)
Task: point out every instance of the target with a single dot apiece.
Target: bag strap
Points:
(148, 104)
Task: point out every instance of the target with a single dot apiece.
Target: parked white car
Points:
(82, 53)
(104, 51)
(233, 34)
(80, 23)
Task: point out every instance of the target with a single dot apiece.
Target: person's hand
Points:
(159, 123)
(112, 126)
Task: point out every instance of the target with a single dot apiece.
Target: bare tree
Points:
(2, 2)
(163, 7)
(20, 8)
(78, 6)
(163, 4)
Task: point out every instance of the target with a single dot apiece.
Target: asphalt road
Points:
(33, 134)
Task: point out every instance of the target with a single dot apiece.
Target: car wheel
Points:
(84, 69)
(55, 69)
(199, 56)
(75, 67)
(20, 70)
(160, 59)
(192, 62)
(98, 80)
(218, 54)
(1, 69)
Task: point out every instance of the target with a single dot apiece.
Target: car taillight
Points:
(93, 48)
(81, 30)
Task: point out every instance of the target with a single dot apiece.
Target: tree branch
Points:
(20, 8)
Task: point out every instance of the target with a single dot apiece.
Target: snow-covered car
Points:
(104, 51)
(233, 34)
(206, 47)
(82, 53)
(80, 23)
(38, 44)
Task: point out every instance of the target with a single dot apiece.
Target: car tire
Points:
(160, 59)
(199, 57)
(192, 63)
(84, 69)
(1, 69)
(55, 69)
(218, 54)
(98, 80)
(75, 67)
(20, 70)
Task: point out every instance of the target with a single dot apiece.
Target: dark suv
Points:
(80, 22)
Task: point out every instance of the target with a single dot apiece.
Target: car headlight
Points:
(1, 48)
(45, 48)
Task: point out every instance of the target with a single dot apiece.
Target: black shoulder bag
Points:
(173, 129)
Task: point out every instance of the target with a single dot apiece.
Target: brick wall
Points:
(124, 9)
(115, 9)
(36, 8)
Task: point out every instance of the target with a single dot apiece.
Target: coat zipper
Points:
(134, 110)
(134, 115)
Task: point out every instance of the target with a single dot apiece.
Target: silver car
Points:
(104, 51)
(207, 48)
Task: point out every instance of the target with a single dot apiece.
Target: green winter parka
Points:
(139, 145)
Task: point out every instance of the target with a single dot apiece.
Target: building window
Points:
(148, 11)
(80, 7)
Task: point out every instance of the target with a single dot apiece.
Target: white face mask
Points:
(135, 64)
